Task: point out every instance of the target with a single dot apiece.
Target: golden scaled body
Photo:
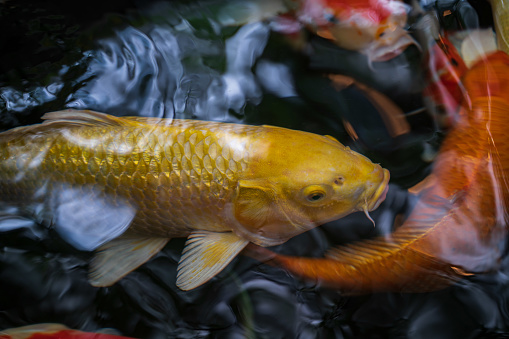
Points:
(458, 226)
(197, 166)
(128, 185)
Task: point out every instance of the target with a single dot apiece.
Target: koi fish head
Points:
(372, 27)
(304, 181)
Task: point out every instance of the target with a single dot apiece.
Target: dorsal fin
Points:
(85, 118)
(78, 118)
(365, 251)
(428, 214)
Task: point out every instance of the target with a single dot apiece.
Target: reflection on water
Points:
(163, 70)
(179, 60)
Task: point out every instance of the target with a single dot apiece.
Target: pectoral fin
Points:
(12, 222)
(87, 218)
(119, 257)
(253, 203)
(205, 255)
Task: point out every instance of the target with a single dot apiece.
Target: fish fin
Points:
(85, 118)
(429, 213)
(87, 218)
(9, 222)
(32, 331)
(330, 137)
(150, 120)
(363, 251)
(253, 203)
(122, 255)
(205, 255)
(326, 34)
(259, 253)
(340, 82)
(424, 184)
(392, 116)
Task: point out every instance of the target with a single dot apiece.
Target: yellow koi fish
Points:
(126, 186)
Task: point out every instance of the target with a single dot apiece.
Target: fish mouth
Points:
(380, 193)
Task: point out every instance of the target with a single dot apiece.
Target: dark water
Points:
(176, 59)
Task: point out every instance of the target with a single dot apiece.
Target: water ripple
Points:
(162, 72)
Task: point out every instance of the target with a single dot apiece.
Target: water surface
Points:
(178, 60)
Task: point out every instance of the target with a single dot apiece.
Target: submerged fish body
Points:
(458, 226)
(128, 185)
(373, 27)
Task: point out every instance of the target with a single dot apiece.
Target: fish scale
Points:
(203, 177)
(195, 187)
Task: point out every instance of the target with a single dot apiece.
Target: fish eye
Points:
(315, 196)
(314, 193)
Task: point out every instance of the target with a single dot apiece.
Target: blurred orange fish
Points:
(372, 27)
(459, 224)
(52, 331)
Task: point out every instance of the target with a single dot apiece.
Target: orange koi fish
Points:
(372, 27)
(445, 69)
(53, 331)
(459, 223)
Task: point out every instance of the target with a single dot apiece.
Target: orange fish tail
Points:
(405, 271)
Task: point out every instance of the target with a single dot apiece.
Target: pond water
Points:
(179, 59)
